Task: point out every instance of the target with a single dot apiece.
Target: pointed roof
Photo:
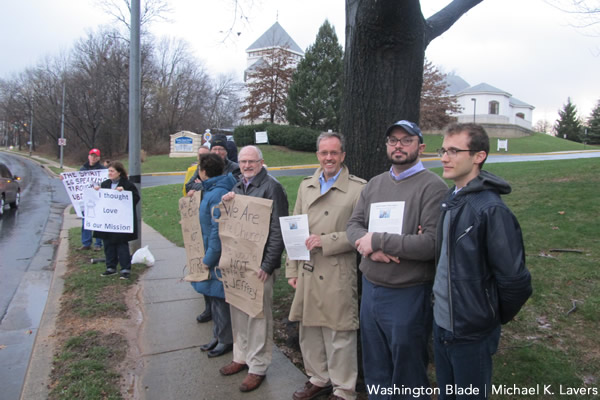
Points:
(455, 83)
(484, 88)
(275, 36)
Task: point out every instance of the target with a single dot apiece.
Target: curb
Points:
(36, 383)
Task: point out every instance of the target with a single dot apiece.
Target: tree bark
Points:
(383, 71)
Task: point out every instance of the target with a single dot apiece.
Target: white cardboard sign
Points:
(108, 210)
(76, 182)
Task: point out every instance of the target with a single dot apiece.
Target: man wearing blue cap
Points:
(398, 267)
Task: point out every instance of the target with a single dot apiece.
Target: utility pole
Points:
(135, 115)
(31, 130)
(62, 127)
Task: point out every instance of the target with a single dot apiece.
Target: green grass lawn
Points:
(536, 143)
(274, 156)
(557, 205)
(277, 156)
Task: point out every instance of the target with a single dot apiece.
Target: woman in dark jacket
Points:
(214, 186)
(116, 245)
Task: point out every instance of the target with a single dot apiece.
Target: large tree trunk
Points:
(383, 72)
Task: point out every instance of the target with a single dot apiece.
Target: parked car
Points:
(10, 190)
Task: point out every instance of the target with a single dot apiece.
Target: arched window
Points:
(520, 115)
(494, 107)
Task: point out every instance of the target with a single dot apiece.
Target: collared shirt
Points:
(418, 167)
(248, 181)
(327, 184)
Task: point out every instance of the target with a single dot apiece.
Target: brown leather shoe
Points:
(233, 368)
(251, 382)
(310, 391)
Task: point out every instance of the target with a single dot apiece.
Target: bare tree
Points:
(542, 126)
(120, 10)
(383, 71)
(585, 13)
(224, 109)
(179, 94)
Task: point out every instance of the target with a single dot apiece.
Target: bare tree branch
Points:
(120, 10)
(441, 21)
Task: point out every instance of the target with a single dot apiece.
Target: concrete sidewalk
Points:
(170, 364)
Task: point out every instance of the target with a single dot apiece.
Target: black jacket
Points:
(88, 167)
(265, 186)
(115, 237)
(488, 280)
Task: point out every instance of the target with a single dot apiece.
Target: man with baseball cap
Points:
(398, 264)
(92, 163)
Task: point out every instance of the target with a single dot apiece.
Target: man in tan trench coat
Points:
(326, 298)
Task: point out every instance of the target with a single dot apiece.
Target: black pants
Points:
(221, 319)
(117, 253)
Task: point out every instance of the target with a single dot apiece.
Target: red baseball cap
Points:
(95, 151)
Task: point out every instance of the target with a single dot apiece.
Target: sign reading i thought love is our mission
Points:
(76, 182)
(243, 229)
(108, 210)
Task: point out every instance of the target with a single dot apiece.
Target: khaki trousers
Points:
(253, 337)
(330, 356)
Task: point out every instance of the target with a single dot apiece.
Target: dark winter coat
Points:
(488, 280)
(88, 167)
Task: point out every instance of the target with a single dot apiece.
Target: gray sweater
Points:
(422, 194)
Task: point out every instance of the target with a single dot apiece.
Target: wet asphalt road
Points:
(27, 243)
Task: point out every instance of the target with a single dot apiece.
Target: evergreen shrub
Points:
(292, 137)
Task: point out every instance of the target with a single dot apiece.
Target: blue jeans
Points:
(395, 326)
(463, 364)
(86, 237)
(117, 253)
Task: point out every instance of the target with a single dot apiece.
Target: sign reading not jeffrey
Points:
(243, 229)
(189, 208)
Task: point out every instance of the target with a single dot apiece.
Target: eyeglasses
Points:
(244, 162)
(405, 141)
(451, 152)
(329, 153)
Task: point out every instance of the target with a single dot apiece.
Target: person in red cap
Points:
(92, 163)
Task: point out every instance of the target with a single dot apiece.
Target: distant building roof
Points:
(518, 103)
(275, 36)
(483, 88)
(455, 83)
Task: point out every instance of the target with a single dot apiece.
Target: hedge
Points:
(292, 137)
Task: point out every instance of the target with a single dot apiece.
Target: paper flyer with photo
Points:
(295, 232)
(387, 217)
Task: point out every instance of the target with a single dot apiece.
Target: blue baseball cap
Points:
(410, 127)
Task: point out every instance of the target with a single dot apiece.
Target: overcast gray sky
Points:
(524, 47)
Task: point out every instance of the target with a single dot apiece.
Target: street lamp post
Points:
(31, 131)
(474, 100)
